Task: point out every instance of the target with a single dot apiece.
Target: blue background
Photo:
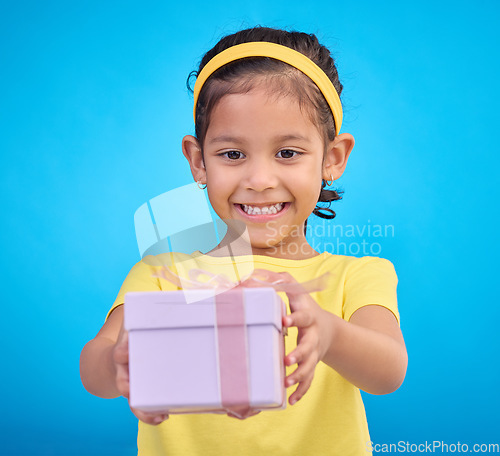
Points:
(93, 109)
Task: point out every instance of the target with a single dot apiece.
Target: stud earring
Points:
(199, 184)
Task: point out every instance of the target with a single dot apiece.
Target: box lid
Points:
(171, 309)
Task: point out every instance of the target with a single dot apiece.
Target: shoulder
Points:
(352, 265)
(371, 262)
(370, 281)
(169, 259)
(149, 268)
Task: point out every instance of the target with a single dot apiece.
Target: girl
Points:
(267, 119)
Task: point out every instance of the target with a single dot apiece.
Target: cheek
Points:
(310, 184)
(313, 195)
(214, 181)
(219, 190)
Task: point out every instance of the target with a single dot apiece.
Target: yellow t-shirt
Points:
(330, 419)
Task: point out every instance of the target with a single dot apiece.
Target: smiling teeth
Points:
(251, 210)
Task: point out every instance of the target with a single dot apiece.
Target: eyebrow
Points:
(226, 138)
(234, 139)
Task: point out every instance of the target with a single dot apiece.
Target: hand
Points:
(120, 359)
(312, 339)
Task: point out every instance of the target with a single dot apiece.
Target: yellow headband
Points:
(278, 52)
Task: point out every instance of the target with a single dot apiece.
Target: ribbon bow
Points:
(257, 278)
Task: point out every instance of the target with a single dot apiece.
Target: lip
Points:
(262, 204)
(261, 218)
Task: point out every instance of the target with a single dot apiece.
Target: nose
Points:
(260, 175)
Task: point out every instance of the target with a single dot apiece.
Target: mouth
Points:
(262, 212)
(262, 209)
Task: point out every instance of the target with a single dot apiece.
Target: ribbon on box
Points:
(257, 278)
(233, 352)
(231, 326)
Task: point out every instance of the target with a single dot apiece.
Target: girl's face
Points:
(263, 165)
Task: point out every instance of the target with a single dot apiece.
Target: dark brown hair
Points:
(241, 76)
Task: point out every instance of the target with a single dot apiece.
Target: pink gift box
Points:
(196, 351)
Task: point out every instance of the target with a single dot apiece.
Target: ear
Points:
(192, 151)
(336, 157)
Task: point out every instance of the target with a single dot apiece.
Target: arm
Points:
(104, 364)
(368, 350)
(97, 366)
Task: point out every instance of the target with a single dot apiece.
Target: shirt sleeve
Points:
(370, 280)
(140, 278)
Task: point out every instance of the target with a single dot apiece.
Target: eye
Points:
(232, 155)
(287, 153)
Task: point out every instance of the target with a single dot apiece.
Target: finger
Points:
(122, 380)
(122, 336)
(120, 352)
(296, 356)
(303, 371)
(301, 318)
(307, 343)
(122, 371)
(150, 418)
(300, 391)
(300, 301)
(120, 355)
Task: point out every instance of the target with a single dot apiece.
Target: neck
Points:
(233, 244)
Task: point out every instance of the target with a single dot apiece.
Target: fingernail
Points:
(290, 381)
(292, 360)
(292, 401)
